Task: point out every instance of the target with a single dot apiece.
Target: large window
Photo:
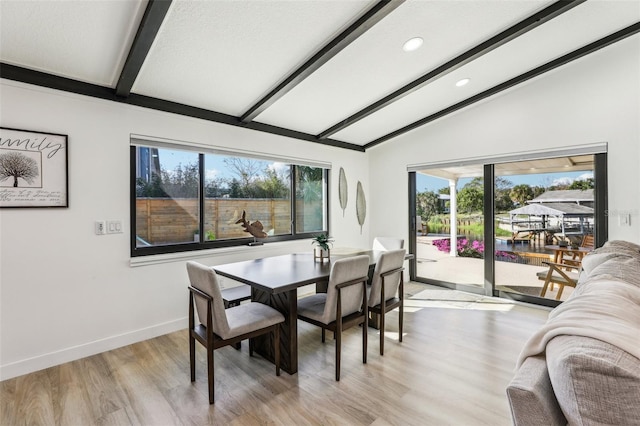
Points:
(187, 200)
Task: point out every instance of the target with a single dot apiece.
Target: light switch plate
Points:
(114, 227)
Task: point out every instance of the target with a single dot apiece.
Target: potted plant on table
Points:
(323, 243)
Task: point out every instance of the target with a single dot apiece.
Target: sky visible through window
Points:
(215, 167)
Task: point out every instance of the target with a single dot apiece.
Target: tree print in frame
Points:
(33, 169)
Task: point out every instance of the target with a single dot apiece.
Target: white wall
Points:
(65, 292)
(594, 99)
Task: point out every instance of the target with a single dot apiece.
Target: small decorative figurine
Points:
(256, 228)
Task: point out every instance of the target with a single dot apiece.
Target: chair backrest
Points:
(342, 271)
(388, 261)
(588, 241)
(205, 279)
(387, 243)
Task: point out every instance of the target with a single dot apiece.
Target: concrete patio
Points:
(512, 277)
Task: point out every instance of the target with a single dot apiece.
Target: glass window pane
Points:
(167, 200)
(260, 188)
(441, 220)
(541, 204)
(310, 199)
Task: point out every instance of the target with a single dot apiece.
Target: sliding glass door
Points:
(493, 228)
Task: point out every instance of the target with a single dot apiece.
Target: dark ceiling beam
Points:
(38, 78)
(335, 46)
(147, 31)
(563, 60)
(483, 48)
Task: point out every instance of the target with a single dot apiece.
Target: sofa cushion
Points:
(531, 396)
(595, 382)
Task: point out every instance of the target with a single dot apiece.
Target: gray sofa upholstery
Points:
(583, 366)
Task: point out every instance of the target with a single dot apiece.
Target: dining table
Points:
(275, 281)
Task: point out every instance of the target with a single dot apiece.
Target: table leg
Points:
(287, 303)
(322, 286)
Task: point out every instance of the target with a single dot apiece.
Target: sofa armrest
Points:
(531, 396)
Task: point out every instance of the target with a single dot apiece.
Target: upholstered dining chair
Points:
(221, 327)
(387, 290)
(344, 305)
(387, 243)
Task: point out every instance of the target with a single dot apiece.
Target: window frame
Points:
(222, 243)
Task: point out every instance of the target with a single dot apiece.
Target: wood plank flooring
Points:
(452, 368)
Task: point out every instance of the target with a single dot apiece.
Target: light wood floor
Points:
(452, 368)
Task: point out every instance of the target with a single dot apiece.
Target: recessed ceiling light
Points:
(463, 82)
(412, 44)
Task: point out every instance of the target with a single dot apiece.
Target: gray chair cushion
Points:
(388, 261)
(342, 271)
(250, 317)
(531, 396)
(313, 306)
(595, 382)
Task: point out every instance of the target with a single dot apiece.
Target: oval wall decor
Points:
(342, 190)
(361, 206)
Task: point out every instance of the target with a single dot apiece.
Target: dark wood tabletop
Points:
(278, 274)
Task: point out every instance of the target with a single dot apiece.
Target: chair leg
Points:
(382, 325)
(400, 321)
(560, 288)
(323, 335)
(338, 335)
(364, 340)
(251, 346)
(276, 348)
(210, 371)
(192, 356)
(545, 287)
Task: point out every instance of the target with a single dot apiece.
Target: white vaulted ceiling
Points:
(220, 59)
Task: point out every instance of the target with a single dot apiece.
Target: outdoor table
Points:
(559, 251)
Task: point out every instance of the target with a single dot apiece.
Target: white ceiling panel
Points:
(225, 55)
(375, 64)
(588, 22)
(82, 40)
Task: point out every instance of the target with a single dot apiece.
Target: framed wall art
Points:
(34, 169)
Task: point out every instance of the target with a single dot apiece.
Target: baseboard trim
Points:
(73, 353)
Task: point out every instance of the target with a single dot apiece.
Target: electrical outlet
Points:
(100, 227)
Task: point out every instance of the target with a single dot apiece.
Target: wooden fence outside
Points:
(175, 220)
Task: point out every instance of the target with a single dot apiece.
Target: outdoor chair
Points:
(561, 274)
(222, 327)
(387, 290)
(344, 305)
(572, 258)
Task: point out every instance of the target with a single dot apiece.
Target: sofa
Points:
(582, 367)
